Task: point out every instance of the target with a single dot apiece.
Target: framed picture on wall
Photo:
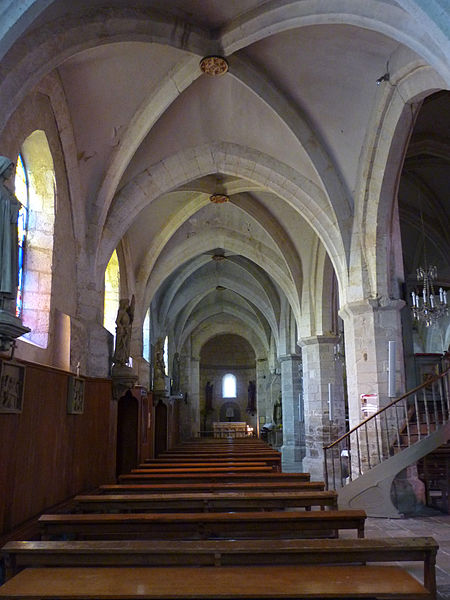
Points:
(75, 396)
(12, 376)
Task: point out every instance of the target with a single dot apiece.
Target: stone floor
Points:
(436, 525)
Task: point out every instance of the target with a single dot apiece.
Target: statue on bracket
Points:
(278, 411)
(209, 397)
(124, 322)
(159, 370)
(176, 373)
(10, 325)
(251, 401)
(124, 378)
(9, 244)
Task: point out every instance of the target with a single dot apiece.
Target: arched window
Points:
(229, 386)
(21, 186)
(166, 356)
(35, 187)
(112, 289)
(146, 340)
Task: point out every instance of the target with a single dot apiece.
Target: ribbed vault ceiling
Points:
(284, 131)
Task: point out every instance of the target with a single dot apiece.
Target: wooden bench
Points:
(233, 582)
(235, 525)
(19, 555)
(223, 453)
(167, 470)
(197, 502)
(157, 488)
(210, 461)
(272, 459)
(208, 477)
(200, 464)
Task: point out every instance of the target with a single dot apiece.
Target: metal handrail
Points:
(413, 391)
(368, 443)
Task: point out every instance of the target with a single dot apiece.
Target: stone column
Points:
(322, 378)
(194, 395)
(369, 325)
(261, 391)
(292, 450)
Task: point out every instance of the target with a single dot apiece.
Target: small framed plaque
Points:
(75, 396)
(12, 377)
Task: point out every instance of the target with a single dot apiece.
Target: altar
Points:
(230, 429)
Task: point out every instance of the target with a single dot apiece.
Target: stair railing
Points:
(398, 425)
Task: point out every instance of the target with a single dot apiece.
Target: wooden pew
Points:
(157, 488)
(19, 555)
(235, 525)
(266, 456)
(274, 462)
(200, 583)
(209, 477)
(169, 470)
(221, 452)
(201, 464)
(209, 502)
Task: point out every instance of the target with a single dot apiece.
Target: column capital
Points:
(287, 357)
(371, 305)
(318, 339)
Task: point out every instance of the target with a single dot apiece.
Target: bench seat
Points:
(19, 555)
(168, 469)
(201, 583)
(273, 524)
(198, 502)
(208, 477)
(208, 487)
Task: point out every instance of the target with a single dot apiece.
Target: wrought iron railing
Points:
(397, 426)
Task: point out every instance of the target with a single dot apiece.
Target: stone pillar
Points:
(292, 427)
(320, 371)
(261, 391)
(369, 325)
(194, 395)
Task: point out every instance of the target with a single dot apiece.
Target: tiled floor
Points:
(437, 526)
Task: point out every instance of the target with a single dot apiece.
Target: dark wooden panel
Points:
(48, 455)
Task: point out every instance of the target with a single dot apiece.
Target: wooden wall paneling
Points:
(128, 428)
(9, 425)
(40, 469)
(161, 427)
(48, 455)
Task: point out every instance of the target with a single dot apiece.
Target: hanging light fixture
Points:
(427, 307)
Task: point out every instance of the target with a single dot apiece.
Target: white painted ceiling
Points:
(301, 75)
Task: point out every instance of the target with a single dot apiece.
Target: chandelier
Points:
(428, 307)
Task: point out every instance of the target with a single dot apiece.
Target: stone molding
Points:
(292, 357)
(353, 309)
(318, 339)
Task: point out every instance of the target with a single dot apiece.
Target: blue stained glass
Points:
(21, 191)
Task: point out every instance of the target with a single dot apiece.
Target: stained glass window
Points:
(166, 355)
(21, 188)
(146, 337)
(229, 386)
(112, 287)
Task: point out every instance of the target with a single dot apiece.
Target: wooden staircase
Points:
(362, 464)
(434, 470)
